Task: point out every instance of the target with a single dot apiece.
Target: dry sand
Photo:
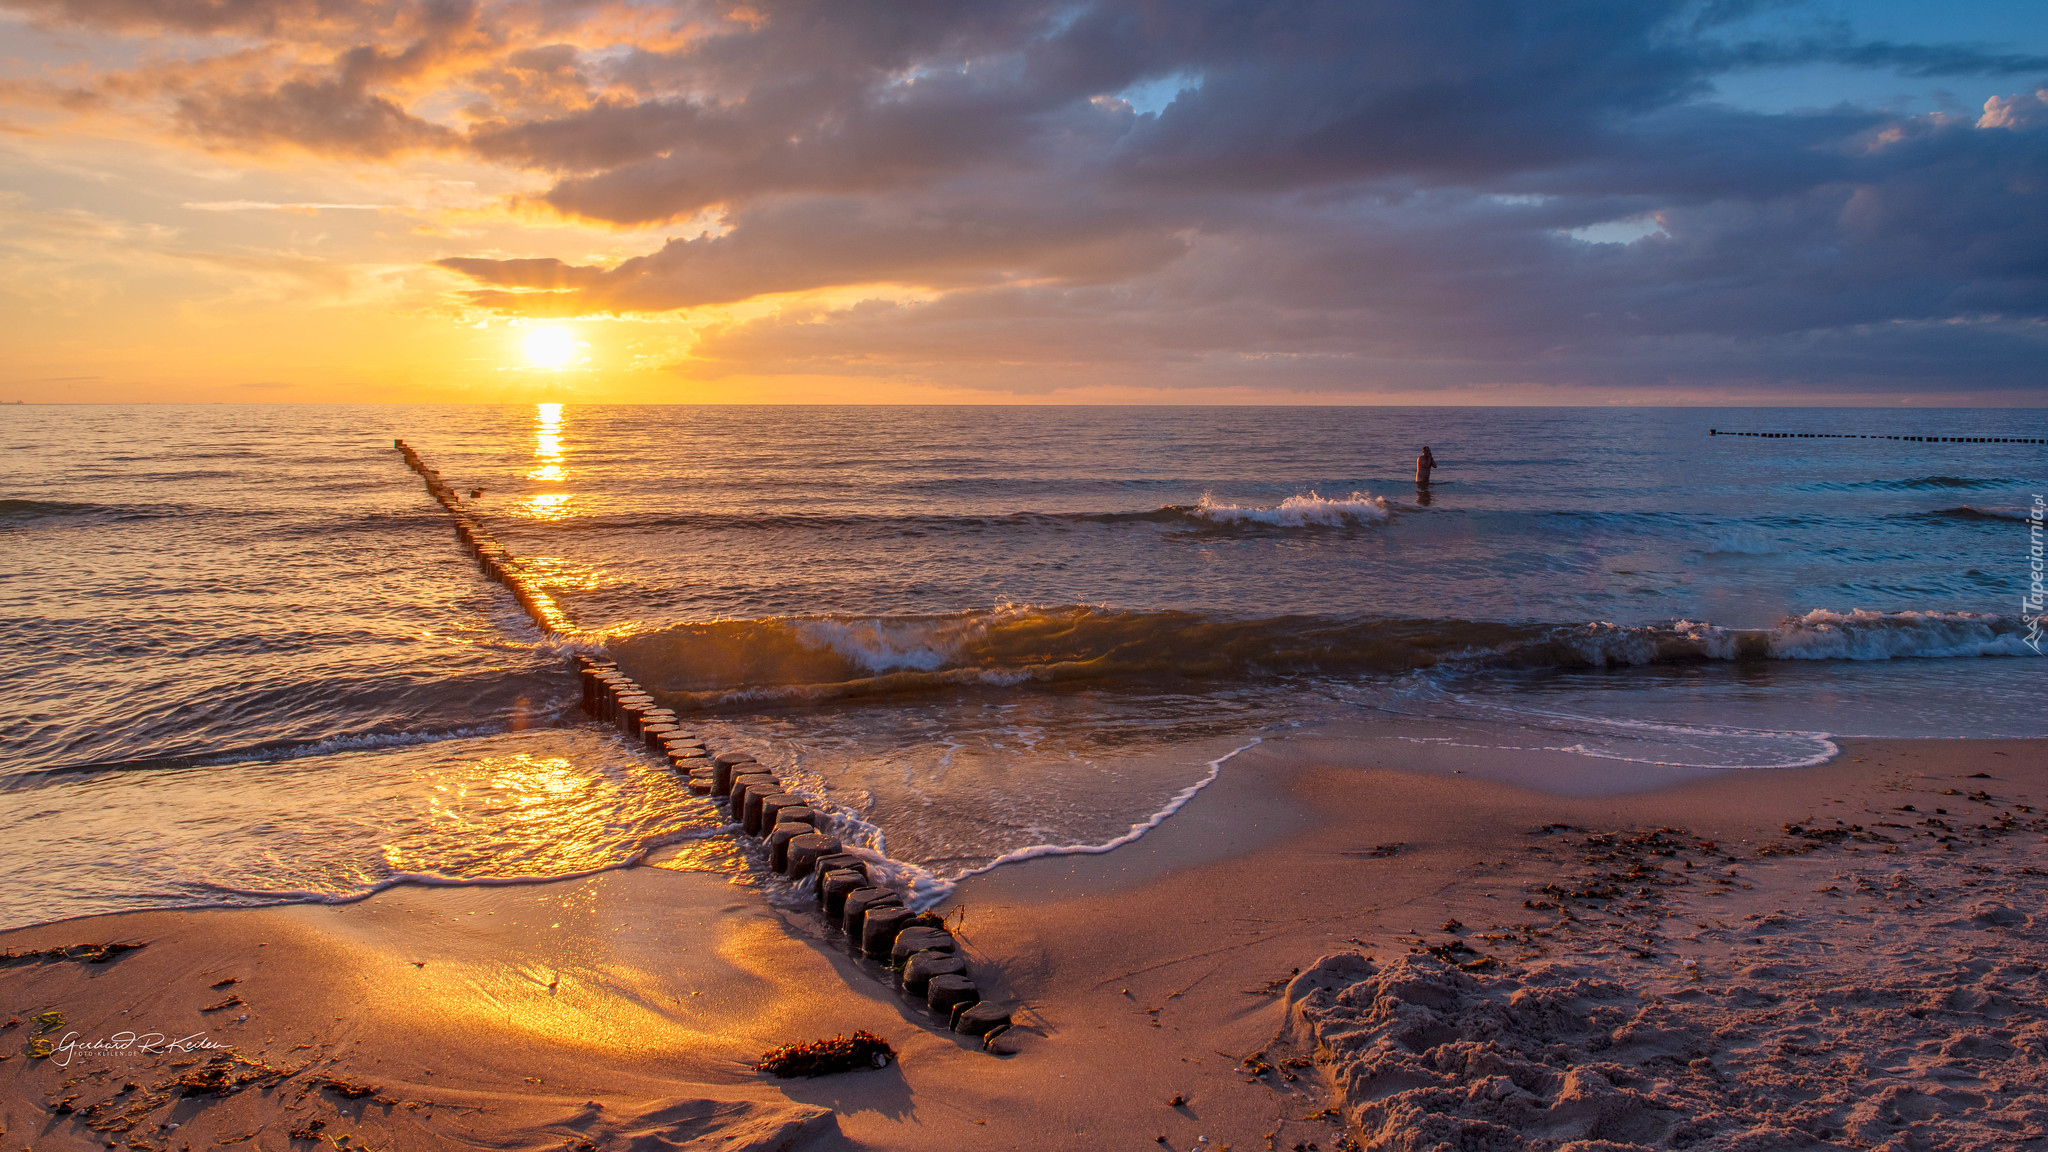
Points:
(1859, 994)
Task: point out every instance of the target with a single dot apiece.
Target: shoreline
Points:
(1146, 974)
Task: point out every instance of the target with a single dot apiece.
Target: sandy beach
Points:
(1335, 942)
(1321, 577)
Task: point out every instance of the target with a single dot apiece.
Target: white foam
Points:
(1300, 511)
(357, 743)
(922, 888)
(445, 880)
(1825, 749)
(532, 807)
(1864, 635)
(1821, 634)
(883, 645)
(1632, 740)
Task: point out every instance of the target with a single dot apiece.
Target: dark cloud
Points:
(335, 117)
(964, 238)
(546, 273)
(258, 17)
(1322, 193)
(1907, 59)
(1339, 196)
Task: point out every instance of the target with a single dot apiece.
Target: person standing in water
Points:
(1423, 464)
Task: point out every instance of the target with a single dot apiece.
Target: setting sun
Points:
(551, 347)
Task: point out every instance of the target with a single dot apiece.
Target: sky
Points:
(1011, 201)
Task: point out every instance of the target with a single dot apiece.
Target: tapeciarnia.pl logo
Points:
(2031, 605)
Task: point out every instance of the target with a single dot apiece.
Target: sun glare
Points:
(551, 347)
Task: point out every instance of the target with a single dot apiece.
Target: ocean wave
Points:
(28, 511)
(1743, 543)
(28, 508)
(1305, 511)
(1308, 510)
(234, 896)
(1944, 482)
(798, 659)
(1864, 635)
(1977, 513)
(924, 887)
(1916, 483)
(356, 742)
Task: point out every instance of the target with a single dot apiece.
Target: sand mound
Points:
(1815, 1022)
(728, 1125)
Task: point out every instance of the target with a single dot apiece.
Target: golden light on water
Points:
(547, 445)
(548, 506)
(547, 798)
(548, 467)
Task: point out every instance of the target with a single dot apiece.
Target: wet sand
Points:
(624, 1009)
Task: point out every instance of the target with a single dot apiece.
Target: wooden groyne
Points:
(912, 950)
(491, 556)
(1871, 436)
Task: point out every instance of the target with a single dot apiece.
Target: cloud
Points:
(2024, 111)
(547, 273)
(276, 206)
(251, 17)
(959, 239)
(1906, 59)
(329, 117)
(1317, 193)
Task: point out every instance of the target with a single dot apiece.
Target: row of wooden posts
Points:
(496, 562)
(1869, 436)
(922, 958)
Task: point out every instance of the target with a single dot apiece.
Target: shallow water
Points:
(245, 636)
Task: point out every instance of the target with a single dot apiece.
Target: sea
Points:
(248, 663)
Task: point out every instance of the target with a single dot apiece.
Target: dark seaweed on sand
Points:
(863, 1049)
(88, 953)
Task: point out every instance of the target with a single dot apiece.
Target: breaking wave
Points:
(812, 658)
(1310, 510)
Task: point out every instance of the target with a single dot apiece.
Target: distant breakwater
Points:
(1873, 436)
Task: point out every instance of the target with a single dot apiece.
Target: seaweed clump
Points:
(863, 1049)
(88, 953)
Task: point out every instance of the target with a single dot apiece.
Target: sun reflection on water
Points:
(547, 446)
(527, 814)
(548, 506)
(546, 574)
(537, 812)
